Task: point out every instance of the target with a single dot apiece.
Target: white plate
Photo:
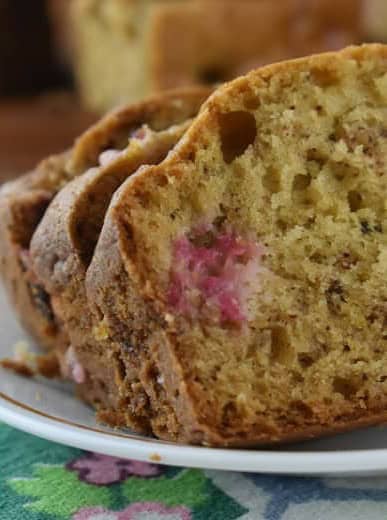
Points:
(49, 410)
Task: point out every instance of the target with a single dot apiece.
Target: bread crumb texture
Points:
(264, 236)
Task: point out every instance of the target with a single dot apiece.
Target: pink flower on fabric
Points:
(102, 470)
(137, 511)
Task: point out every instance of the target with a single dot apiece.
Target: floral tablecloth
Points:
(40, 480)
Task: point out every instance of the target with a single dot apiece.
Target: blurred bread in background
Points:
(115, 51)
(125, 49)
(122, 50)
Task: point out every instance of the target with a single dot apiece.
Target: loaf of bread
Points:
(375, 20)
(125, 49)
(24, 202)
(241, 284)
(235, 293)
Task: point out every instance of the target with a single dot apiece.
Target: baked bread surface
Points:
(24, 202)
(63, 244)
(245, 283)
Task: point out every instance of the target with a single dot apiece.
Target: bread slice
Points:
(26, 69)
(64, 242)
(125, 49)
(24, 202)
(243, 280)
(22, 205)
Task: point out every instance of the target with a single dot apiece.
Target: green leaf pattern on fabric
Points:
(188, 488)
(59, 492)
(39, 480)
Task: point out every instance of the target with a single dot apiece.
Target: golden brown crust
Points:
(64, 242)
(108, 291)
(23, 203)
(45, 365)
(112, 130)
(142, 320)
(18, 367)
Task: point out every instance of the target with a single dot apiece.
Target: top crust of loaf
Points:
(24, 202)
(227, 99)
(55, 241)
(64, 242)
(113, 129)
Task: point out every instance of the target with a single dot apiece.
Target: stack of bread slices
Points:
(214, 271)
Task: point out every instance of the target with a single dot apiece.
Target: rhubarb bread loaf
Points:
(24, 201)
(125, 49)
(64, 242)
(242, 282)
